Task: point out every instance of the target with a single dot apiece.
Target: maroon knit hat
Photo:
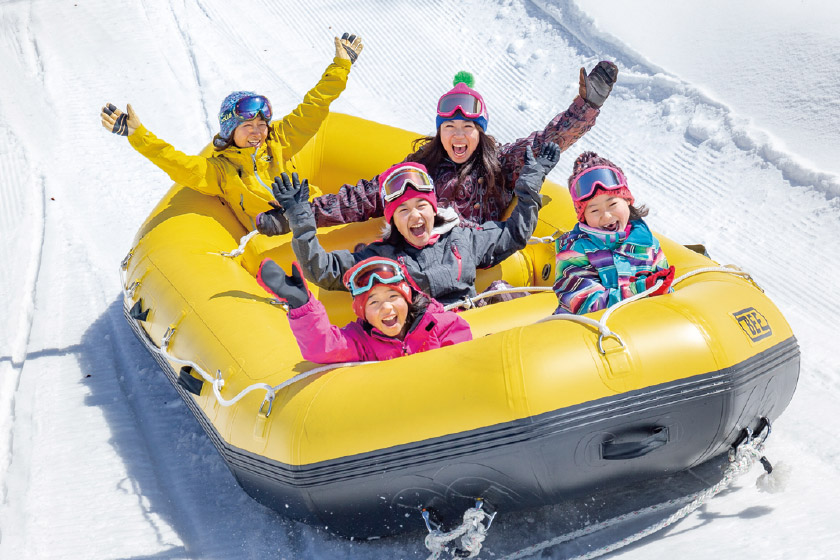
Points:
(585, 161)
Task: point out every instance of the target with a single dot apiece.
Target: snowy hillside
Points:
(725, 119)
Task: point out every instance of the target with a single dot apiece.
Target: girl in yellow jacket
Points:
(249, 150)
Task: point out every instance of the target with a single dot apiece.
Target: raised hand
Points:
(597, 85)
(291, 289)
(535, 169)
(118, 122)
(289, 192)
(349, 47)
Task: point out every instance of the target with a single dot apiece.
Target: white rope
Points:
(538, 240)
(218, 382)
(744, 458)
(472, 532)
(242, 243)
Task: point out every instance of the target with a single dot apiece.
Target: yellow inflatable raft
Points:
(532, 411)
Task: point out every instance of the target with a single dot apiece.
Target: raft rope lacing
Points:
(217, 382)
(741, 460)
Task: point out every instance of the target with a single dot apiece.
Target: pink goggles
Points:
(469, 105)
(585, 184)
(395, 184)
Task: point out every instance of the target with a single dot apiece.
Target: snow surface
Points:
(726, 119)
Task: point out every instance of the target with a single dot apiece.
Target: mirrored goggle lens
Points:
(376, 272)
(249, 107)
(586, 183)
(396, 184)
(469, 105)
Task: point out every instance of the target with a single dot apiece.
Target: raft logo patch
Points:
(753, 323)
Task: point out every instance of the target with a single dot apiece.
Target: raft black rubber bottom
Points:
(526, 463)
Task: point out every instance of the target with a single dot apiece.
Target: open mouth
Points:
(254, 143)
(459, 150)
(418, 230)
(611, 227)
(390, 321)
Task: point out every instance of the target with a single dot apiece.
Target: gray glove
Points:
(536, 168)
(290, 192)
(272, 222)
(291, 289)
(596, 87)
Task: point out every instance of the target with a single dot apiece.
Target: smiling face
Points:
(250, 134)
(460, 139)
(607, 212)
(386, 310)
(414, 219)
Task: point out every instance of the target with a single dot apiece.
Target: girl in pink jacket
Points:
(394, 318)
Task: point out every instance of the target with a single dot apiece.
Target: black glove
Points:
(291, 289)
(596, 87)
(352, 45)
(290, 192)
(536, 168)
(272, 222)
(120, 127)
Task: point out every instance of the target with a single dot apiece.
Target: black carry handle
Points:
(612, 451)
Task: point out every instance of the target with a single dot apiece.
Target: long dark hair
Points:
(429, 151)
(638, 213)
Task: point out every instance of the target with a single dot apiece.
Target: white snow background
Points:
(725, 118)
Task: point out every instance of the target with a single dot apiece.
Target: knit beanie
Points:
(463, 83)
(585, 161)
(360, 301)
(227, 120)
(390, 207)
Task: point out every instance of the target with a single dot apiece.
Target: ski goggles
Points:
(469, 105)
(395, 184)
(371, 272)
(585, 184)
(248, 108)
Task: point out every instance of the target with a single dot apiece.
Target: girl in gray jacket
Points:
(439, 256)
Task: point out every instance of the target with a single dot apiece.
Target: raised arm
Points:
(299, 126)
(323, 268)
(567, 127)
(495, 241)
(192, 171)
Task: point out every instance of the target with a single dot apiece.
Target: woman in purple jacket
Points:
(394, 318)
(473, 174)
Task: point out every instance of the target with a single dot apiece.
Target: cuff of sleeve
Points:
(139, 136)
(584, 109)
(343, 62)
(308, 307)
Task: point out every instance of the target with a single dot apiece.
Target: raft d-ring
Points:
(167, 336)
(124, 263)
(131, 289)
(601, 338)
(269, 398)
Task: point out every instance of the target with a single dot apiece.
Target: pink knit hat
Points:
(409, 192)
(588, 160)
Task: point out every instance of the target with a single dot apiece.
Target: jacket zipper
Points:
(458, 258)
(257, 175)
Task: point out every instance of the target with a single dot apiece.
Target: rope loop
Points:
(472, 531)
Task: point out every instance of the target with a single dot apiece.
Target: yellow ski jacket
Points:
(242, 177)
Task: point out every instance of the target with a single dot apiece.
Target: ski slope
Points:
(725, 119)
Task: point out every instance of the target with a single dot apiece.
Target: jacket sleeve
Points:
(493, 242)
(565, 129)
(319, 340)
(299, 126)
(195, 172)
(323, 268)
(352, 203)
(452, 328)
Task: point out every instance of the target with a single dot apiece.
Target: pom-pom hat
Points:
(593, 175)
(462, 103)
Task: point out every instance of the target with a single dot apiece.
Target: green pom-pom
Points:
(464, 77)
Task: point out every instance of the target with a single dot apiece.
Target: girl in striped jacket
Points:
(610, 255)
